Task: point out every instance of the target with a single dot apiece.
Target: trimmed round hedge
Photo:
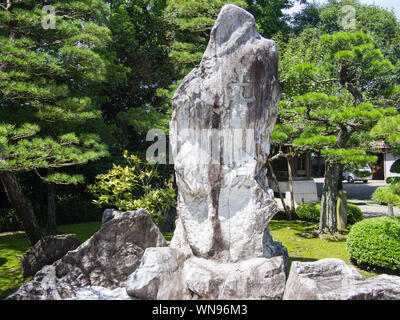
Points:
(376, 242)
(311, 212)
(354, 214)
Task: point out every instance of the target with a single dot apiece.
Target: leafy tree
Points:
(282, 143)
(139, 41)
(334, 117)
(48, 90)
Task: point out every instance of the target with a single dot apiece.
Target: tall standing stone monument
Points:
(223, 115)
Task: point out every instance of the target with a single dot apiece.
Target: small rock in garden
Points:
(47, 251)
(105, 260)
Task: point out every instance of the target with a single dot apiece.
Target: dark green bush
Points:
(354, 214)
(9, 220)
(311, 212)
(375, 242)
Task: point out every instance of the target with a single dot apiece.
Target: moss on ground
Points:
(303, 244)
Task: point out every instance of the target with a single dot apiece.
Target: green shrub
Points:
(375, 242)
(311, 212)
(137, 185)
(354, 214)
(9, 221)
(72, 210)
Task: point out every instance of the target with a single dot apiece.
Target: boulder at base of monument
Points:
(332, 279)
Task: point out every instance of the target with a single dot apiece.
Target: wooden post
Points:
(341, 210)
(390, 210)
(292, 204)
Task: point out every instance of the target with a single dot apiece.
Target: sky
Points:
(387, 4)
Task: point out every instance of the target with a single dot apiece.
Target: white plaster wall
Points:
(389, 160)
(304, 190)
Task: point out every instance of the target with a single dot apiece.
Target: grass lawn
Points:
(16, 244)
(297, 236)
(300, 238)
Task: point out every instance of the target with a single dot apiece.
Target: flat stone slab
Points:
(332, 279)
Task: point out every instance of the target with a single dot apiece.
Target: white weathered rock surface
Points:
(100, 293)
(166, 274)
(159, 276)
(254, 279)
(105, 260)
(223, 115)
(332, 279)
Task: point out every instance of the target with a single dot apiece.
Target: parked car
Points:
(358, 174)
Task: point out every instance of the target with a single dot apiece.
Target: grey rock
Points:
(254, 279)
(167, 274)
(105, 260)
(112, 253)
(44, 286)
(332, 279)
(47, 251)
(109, 214)
(159, 276)
(100, 293)
(223, 115)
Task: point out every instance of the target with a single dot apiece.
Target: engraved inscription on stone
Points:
(239, 89)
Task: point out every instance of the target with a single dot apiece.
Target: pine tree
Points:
(50, 65)
(335, 117)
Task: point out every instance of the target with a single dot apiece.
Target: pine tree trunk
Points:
(51, 207)
(340, 179)
(22, 206)
(288, 213)
(328, 220)
(292, 204)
